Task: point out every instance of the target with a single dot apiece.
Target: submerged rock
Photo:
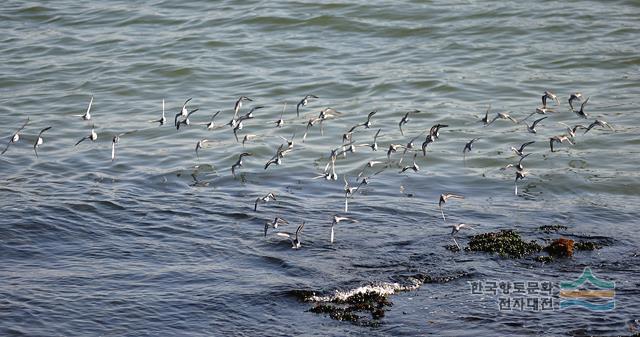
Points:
(586, 245)
(362, 308)
(337, 313)
(506, 243)
(552, 228)
(544, 258)
(560, 248)
(367, 305)
(452, 248)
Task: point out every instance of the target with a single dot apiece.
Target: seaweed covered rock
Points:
(335, 312)
(560, 248)
(586, 245)
(367, 305)
(544, 258)
(506, 243)
(452, 248)
(363, 308)
(552, 228)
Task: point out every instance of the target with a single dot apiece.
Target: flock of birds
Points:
(349, 145)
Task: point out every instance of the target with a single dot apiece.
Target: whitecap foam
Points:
(380, 288)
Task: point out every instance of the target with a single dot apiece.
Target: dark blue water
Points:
(161, 242)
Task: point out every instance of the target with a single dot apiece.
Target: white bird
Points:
(572, 130)
(517, 166)
(270, 196)
(304, 103)
(15, 137)
(469, 145)
(39, 141)
(581, 112)
(162, 119)
(116, 140)
(559, 139)
(239, 162)
(413, 166)
(520, 175)
(92, 136)
(549, 95)
(405, 120)
(336, 220)
(236, 110)
(295, 238)
(211, 125)
(503, 115)
(274, 224)
(601, 123)
(186, 120)
(409, 146)
(280, 122)
(349, 191)
(87, 115)
(532, 128)
(485, 119)
(519, 151)
(574, 97)
(374, 145)
(183, 112)
(455, 229)
(200, 145)
(443, 199)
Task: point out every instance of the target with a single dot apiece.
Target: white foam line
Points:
(382, 289)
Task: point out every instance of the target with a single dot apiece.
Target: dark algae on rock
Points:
(347, 309)
(587, 245)
(552, 228)
(506, 243)
(361, 308)
(509, 244)
(367, 305)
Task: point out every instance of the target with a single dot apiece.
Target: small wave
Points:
(383, 288)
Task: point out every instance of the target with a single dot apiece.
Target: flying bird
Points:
(87, 115)
(277, 221)
(559, 139)
(336, 220)
(295, 238)
(600, 123)
(270, 196)
(239, 162)
(581, 112)
(39, 141)
(15, 137)
(304, 103)
(92, 136)
(443, 199)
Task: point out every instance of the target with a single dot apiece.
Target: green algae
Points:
(506, 243)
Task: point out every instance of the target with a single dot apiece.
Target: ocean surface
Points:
(161, 242)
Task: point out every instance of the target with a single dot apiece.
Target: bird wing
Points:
(537, 121)
(583, 104)
(89, 107)
(7, 147)
(23, 125)
(525, 145)
(80, 141)
(43, 131)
